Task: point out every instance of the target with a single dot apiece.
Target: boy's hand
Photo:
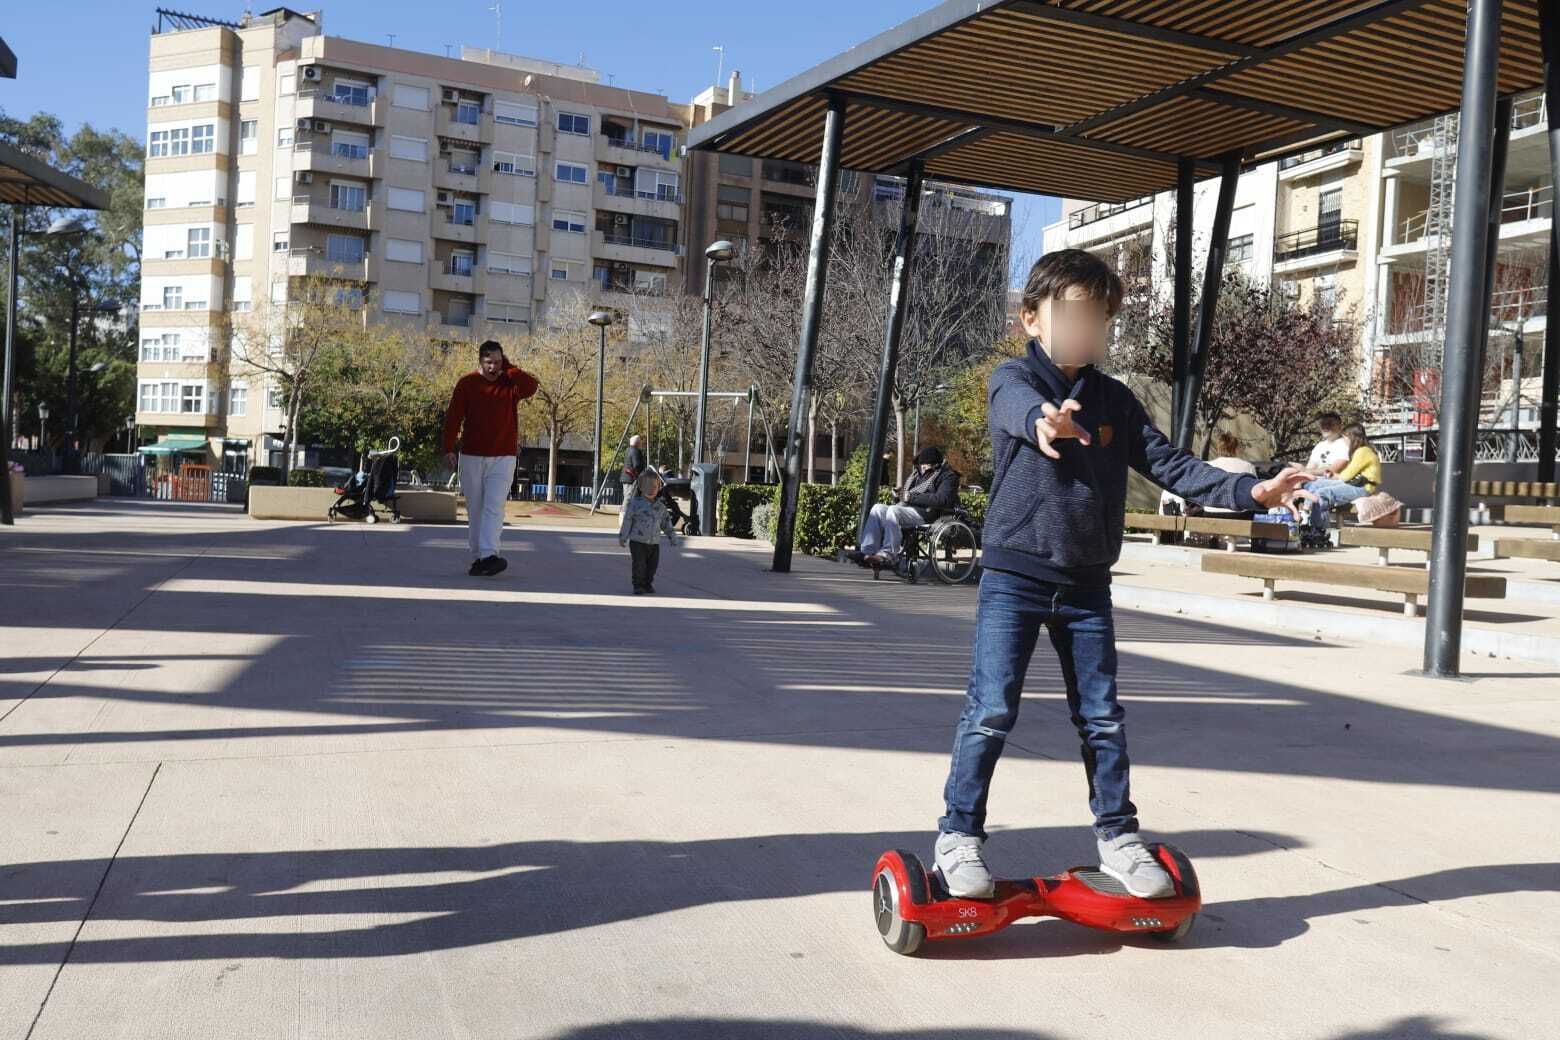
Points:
(1280, 490)
(1057, 424)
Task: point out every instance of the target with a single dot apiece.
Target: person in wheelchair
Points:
(931, 490)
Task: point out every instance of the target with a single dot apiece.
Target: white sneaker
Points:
(1129, 861)
(962, 863)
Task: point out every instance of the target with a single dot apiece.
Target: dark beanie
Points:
(929, 457)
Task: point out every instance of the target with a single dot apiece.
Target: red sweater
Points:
(488, 412)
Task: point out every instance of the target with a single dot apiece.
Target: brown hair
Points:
(1330, 421)
(489, 347)
(1055, 273)
(1227, 444)
(1357, 437)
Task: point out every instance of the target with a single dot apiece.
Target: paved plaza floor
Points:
(297, 781)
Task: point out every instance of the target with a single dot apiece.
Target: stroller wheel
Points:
(372, 517)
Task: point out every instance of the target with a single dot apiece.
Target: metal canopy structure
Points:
(1110, 100)
(28, 181)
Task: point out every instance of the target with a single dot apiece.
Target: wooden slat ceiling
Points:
(1095, 99)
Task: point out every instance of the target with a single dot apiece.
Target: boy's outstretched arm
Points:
(1184, 474)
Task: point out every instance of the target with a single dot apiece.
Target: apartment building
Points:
(463, 193)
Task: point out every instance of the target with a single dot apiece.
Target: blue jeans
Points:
(1332, 493)
(1011, 611)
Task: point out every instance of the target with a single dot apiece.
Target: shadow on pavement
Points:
(771, 1029)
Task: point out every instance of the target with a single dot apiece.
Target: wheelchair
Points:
(948, 548)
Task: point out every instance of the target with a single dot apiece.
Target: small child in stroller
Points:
(376, 484)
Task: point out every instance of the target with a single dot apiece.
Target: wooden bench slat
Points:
(1533, 514)
(1238, 528)
(1154, 522)
(1403, 580)
(1393, 537)
(1528, 548)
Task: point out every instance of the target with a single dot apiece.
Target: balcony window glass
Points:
(248, 136)
(347, 93)
(173, 297)
(157, 144)
(203, 138)
(570, 123)
(205, 92)
(572, 173)
(192, 399)
(513, 114)
(658, 141)
(468, 112)
(344, 249)
(350, 197)
(461, 264)
(569, 220)
(199, 243)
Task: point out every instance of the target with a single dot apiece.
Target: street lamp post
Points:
(718, 253)
(71, 227)
(600, 319)
(43, 426)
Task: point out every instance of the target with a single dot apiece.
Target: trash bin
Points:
(706, 489)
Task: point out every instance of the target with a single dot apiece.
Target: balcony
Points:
(636, 249)
(461, 177)
(451, 231)
(447, 125)
(622, 198)
(1101, 210)
(1325, 245)
(1334, 156)
(454, 278)
(625, 151)
(316, 104)
(1516, 208)
(307, 261)
(339, 159)
(307, 209)
(1508, 307)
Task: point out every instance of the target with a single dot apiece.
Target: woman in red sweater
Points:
(484, 404)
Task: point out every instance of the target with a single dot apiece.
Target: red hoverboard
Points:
(912, 906)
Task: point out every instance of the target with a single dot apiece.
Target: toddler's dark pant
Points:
(646, 558)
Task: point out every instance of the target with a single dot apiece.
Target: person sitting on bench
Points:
(931, 489)
(1359, 477)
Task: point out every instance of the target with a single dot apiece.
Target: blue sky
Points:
(668, 49)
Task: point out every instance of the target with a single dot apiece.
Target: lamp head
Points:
(43, 410)
(100, 366)
(721, 251)
(600, 318)
(66, 226)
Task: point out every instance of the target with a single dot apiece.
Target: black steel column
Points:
(1207, 306)
(898, 304)
(72, 459)
(1185, 209)
(1549, 396)
(7, 420)
(1498, 148)
(1467, 310)
(812, 320)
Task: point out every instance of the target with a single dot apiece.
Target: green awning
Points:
(175, 446)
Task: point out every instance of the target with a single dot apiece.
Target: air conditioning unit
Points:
(625, 171)
(451, 95)
(321, 127)
(444, 197)
(620, 219)
(620, 265)
(305, 124)
(305, 176)
(311, 72)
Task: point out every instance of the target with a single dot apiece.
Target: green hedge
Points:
(974, 503)
(736, 504)
(264, 475)
(306, 478)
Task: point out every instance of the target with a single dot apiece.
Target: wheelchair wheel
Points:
(954, 552)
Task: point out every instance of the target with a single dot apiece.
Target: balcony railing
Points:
(1506, 306)
(1516, 206)
(1324, 238)
(1101, 210)
(639, 242)
(619, 191)
(349, 151)
(1525, 112)
(637, 146)
(460, 269)
(1318, 153)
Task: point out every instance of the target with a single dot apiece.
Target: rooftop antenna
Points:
(391, 37)
(720, 63)
(447, 48)
(498, 19)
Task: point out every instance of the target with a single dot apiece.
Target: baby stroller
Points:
(375, 484)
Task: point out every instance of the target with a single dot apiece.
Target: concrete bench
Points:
(1156, 523)
(1385, 539)
(268, 502)
(1528, 548)
(1409, 582)
(1547, 516)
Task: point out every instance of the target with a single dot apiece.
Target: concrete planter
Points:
(305, 503)
(61, 489)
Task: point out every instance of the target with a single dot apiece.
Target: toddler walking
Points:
(644, 517)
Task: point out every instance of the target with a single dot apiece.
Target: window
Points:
(248, 137)
(159, 397)
(273, 398)
(279, 242)
(284, 137)
(197, 303)
(508, 263)
(1240, 250)
(278, 297)
(160, 348)
(351, 92)
(731, 203)
(401, 302)
(468, 112)
(286, 83)
(659, 141)
(569, 220)
(243, 242)
(192, 399)
(351, 298)
(194, 351)
(159, 101)
(246, 188)
(736, 165)
(203, 138)
(198, 243)
(461, 264)
(205, 92)
(281, 189)
(178, 141)
(157, 203)
(509, 313)
(1331, 215)
(563, 270)
(403, 250)
(511, 213)
(181, 94)
(569, 123)
(413, 148)
(173, 297)
(572, 173)
(657, 184)
(243, 293)
(346, 145)
(238, 400)
(157, 144)
(515, 115)
(514, 164)
(464, 213)
(249, 85)
(404, 95)
(352, 197)
(343, 249)
(408, 199)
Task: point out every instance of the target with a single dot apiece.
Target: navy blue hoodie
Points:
(1061, 520)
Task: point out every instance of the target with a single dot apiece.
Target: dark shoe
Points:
(639, 592)
(476, 570)
(496, 565)
(650, 590)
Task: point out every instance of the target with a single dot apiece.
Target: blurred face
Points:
(652, 487)
(1074, 330)
(491, 365)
